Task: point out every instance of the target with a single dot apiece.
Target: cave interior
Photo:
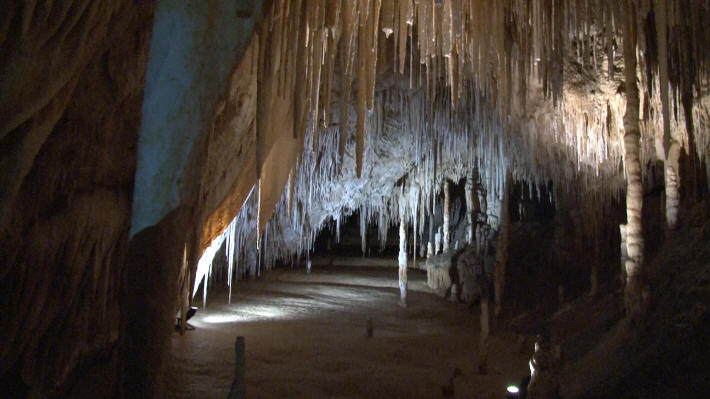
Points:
(500, 185)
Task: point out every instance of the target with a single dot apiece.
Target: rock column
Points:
(634, 292)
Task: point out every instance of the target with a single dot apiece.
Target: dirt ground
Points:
(306, 338)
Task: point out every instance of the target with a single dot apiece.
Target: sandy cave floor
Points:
(306, 338)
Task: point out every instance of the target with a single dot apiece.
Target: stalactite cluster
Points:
(436, 90)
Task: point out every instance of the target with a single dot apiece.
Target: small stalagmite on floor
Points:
(238, 389)
(447, 390)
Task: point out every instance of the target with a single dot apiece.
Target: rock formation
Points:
(139, 141)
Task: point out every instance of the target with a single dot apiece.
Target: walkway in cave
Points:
(306, 338)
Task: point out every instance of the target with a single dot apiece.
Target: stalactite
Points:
(414, 204)
(502, 250)
(349, 23)
(481, 234)
(363, 232)
(402, 260)
(333, 33)
(431, 242)
(447, 217)
(470, 99)
(662, 40)
(231, 236)
(469, 209)
(634, 293)
(361, 95)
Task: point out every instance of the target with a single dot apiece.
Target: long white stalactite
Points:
(447, 217)
(402, 261)
(490, 91)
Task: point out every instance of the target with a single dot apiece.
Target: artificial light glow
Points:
(222, 318)
(513, 389)
(246, 314)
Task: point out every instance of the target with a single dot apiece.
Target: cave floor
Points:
(306, 338)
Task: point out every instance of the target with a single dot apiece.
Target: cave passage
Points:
(306, 338)
(527, 182)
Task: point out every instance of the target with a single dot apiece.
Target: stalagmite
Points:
(238, 388)
(431, 246)
(635, 291)
(414, 245)
(447, 205)
(402, 262)
(670, 148)
(502, 250)
(672, 185)
(437, 241)
(623, 252)
(469, 210)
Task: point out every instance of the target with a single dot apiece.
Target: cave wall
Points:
(86, 311)
(70, 108)
(196, 46)
(79, 119)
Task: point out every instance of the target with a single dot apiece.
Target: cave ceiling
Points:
(368, 105)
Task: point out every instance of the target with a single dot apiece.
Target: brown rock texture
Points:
(70, 110)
